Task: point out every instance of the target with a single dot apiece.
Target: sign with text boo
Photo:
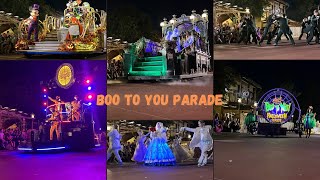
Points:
(159, 100)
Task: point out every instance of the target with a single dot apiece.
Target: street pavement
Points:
(198, 86)
(285, 51)
(246, 157)
(55, 166)
(140, 172)
(52, 57)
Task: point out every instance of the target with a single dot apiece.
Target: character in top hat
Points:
(33, 22)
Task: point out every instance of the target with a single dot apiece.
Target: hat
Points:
(35, 6)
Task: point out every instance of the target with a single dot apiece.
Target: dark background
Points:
(21, 90)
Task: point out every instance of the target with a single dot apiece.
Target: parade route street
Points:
(54, 166)
(285, 51)
(140, 172)
(246, 157)
(198, 86)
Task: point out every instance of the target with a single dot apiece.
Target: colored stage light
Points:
(45, 104)
(44, 96)
(88, 81)
(45, 90)
(89, 96)
(89, 88)
(89, 103)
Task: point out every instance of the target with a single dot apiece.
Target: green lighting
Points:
(284, 107)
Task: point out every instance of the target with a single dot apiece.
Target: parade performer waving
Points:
(201, 138)
(309, 121)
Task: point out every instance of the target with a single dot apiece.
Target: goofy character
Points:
(33, 22)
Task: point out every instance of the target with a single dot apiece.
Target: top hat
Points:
(35, 6)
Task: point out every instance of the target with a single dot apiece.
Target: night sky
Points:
(20, 84)
(157, 10)
(60, 5)
(271, 74)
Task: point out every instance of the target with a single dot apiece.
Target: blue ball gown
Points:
(159, 152)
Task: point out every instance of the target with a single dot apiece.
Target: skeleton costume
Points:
(201, 138)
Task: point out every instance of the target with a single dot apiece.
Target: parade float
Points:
(65, 125)
(279, 108)
(81, 30)
(182, 53)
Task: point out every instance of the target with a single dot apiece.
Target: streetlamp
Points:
(32, 117)
(247, 10)
(163, 25)
(239, 104)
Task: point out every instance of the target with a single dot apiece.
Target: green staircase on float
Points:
(147, 66)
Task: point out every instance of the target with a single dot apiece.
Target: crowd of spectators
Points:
(7, 43)
(11, 138)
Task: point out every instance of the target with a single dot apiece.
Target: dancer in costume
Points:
(33, 22)
(201, 138)
(58, 105)
(75, 112)
(159, 152)
(141, 148)
(179, 152)
(55, 124)
(313, 28)
(283, 29)
(309, 121)
(270, 20)
(114, 144)
(249, 122)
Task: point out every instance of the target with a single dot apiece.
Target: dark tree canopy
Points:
(301, 9)
(21, 7)
(130, 24)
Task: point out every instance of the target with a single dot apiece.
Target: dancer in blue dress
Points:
(159, 152)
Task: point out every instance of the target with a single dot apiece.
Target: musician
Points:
(75, 112)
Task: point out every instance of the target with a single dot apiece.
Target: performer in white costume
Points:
(202, 139)
(114, 144)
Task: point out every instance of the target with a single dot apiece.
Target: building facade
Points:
(239, 99)
(279, 6)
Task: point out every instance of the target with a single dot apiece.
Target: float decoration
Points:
(278, 106)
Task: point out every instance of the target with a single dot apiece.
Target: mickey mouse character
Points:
(33, 22)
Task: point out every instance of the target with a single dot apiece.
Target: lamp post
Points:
(239, 104)
(163, 25)
(32, 117)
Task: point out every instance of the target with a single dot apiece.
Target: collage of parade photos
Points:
(159, 90)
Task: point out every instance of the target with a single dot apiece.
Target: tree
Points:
(256, 7)
(300, 9)
(21, 7)
(225, 77)
(130, 24)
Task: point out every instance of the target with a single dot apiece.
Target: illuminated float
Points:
(278, 107)
(182, 53)
(81, 30)
(66, 125)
